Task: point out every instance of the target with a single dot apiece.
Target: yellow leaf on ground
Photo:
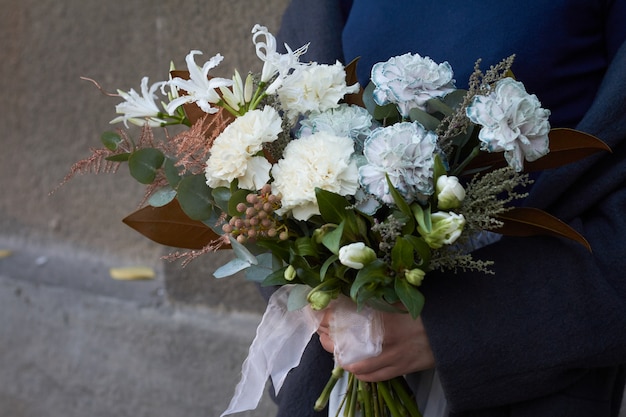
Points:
(131, 273)
(5, 253)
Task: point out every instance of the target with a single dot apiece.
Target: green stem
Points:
(365, 395)
(322, 400)
(467, 160)
(389, 402)
(408, 400)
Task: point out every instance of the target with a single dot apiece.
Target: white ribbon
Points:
(283, 335)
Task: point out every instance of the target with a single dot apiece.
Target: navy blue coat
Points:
(545, 336)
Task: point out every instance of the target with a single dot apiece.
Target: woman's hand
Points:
(405, 348)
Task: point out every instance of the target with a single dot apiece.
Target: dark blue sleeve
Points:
(554, 315)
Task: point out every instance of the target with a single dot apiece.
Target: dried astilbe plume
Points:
(97, 162)
(191, 147)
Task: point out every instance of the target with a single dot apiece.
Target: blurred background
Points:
(73, 341)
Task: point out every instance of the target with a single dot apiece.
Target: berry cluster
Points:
(257, 218)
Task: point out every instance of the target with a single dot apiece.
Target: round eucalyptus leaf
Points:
(111, 140)
(194, 196)
(144, 164)
(162, 196)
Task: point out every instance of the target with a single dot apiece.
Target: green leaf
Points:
(111, 140)
(162, 196)
(388, 113)
(423, 217)
(221, 197)
(428, 121)
(332, 206)
(195, 197)
(237, 197)
(120, 157)
(327, 264)
(275, 278)
(304, 246)
(144, 164)
(402, 254)
(373, 273)
(410, 296)
(421, 248)
(332, 239)
(436, 105)
(172, 173)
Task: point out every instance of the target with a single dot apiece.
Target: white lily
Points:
(199, 88)
(273, 62)
(139, 109)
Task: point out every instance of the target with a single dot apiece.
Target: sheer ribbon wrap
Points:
(283, 335)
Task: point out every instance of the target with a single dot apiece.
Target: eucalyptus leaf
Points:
(428, 121)
(111, 140)
(172, 172)
(231, 268)
(120, 157)
(144, 164)
(194, 196)
(241, 252)
(266, 264)
(221, 197)
(162, 196)
(298, 297)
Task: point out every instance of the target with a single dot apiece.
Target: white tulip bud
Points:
(446, 229)
(356, 255)
(450, 193)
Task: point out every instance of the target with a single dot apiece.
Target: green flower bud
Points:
(290, 273)
(415, 276)
(319, 299)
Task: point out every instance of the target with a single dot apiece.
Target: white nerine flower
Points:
(240, 94)
(321, 161)
(450, 193)
(513, 122)
(199, 88)
(446, 229)
(234, 151)
(273, 62)
(314, 87)
(140, 109)
(403, 152)
(356, 255)
(410, 81)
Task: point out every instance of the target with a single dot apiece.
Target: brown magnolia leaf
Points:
(170, 226)
(529, 221)
(351, 78)
(566, 146)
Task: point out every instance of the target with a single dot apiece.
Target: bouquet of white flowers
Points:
(333, 190)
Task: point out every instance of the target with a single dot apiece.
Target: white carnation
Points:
(321, 160)
(404, 152)
(234, 151)
(346, 120)
(513, 122)
(410, 81)
(314, 87)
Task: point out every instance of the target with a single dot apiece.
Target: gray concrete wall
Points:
(73, 342)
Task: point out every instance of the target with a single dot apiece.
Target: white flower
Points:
(356, 255)
(199, 88)
(273, 62)
(404, 152)
(410, 81)
(446, 229)
(240, 94)
(321, 161)
(450, 193)
(140, 109)
(512, 121)
(346, 120)
(314, 87)
(234, 151)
